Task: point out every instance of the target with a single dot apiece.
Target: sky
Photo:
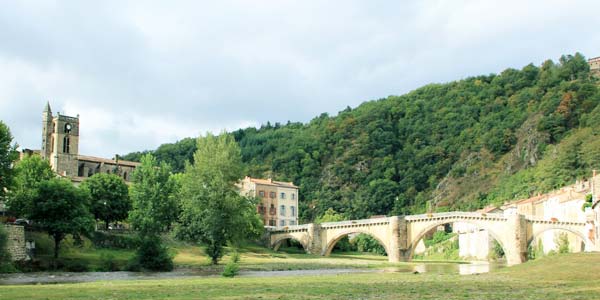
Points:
(144, 73)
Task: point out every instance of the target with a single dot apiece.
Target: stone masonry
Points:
(16, 242)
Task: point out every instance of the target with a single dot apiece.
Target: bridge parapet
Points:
(538, 220)
(362, 222)
(456, 214)
(292, 228)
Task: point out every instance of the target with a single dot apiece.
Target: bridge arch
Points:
(336, 238)
(277, 242)
(478, 224)
(537, 233)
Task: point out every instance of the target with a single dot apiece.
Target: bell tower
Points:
(60, 141)
(47, 130)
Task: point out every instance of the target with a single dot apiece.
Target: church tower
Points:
(47, 131)
(60, 142)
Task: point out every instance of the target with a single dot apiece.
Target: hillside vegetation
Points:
(458, 145)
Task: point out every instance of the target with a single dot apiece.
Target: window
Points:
(293, 211)
(282, 210)
(261, 193)
(293, 196)
(282, 196)
(271, 222)
(261, 209)
(272, 210)
(272, 195)
(292, 222)
(66, 146)
(282, 223)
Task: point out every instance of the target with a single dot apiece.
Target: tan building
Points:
(594, 65)
(60, 146)
(278, 200)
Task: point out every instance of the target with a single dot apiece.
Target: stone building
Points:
(278, 200)
(60, 146)
(594, 65)
(565, 203)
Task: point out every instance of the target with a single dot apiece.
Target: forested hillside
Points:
(458, 145)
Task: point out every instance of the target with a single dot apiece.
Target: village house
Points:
(278, 204)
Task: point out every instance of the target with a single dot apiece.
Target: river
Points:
(75, 277)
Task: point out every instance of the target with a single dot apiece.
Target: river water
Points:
(74, 277)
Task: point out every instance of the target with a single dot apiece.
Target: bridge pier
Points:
(516, 240)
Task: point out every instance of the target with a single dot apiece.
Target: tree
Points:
(8, 155)
(153, 191)
(109, 197)
(154, 209)
(60, 208)
(30, 172)
(213, 211)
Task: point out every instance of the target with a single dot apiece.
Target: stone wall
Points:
(16, 241)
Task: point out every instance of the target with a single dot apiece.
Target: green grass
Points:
(572, 276)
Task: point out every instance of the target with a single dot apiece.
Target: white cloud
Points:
(150, 72)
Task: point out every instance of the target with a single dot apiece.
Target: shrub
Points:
(235, 257)
(5, 261)
(366, 243)
(108, 263)
(116, 241)
(231, 269)
(562, 242)
(152, 255)
(75, 266)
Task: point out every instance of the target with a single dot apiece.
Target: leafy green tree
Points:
(60, 208)
(330, 215)
(213, 211)
(8, 155)
(154, 207)
(109, 197)
(30, 173)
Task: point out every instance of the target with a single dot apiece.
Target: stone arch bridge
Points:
(399, 235)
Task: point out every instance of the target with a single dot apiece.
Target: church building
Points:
(60, 146)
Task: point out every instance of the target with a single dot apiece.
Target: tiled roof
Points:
(272, 182)
(108, 161)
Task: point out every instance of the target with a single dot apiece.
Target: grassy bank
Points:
(86, 257)
(572, 276)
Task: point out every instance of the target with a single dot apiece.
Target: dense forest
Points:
(458, 145)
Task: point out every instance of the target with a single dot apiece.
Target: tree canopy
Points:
(457, 145)
(30, 172)
(154, 207)
(8, 155)
(109, 196)
(60, 208)
(213, 211)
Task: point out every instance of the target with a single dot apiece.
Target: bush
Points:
(235, 257)
(231, 269)
(108, 263)
(366, 243)
(151, 255)
(75, 266)
(5, 261)
(116, 241)
(562, 242)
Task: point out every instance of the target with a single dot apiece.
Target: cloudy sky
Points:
(143, 73)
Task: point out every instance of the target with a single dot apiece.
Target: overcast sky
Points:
(142, 73)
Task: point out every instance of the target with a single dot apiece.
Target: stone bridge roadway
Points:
(399, 235)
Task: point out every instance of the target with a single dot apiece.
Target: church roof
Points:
(108, 161)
